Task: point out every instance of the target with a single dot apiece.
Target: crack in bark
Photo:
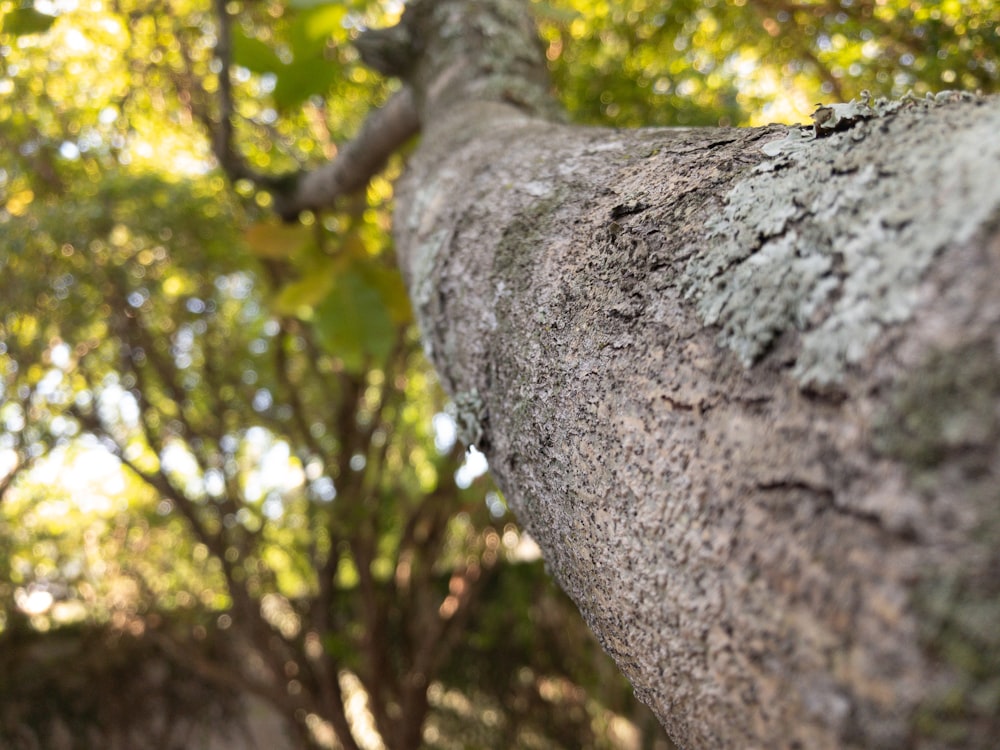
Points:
(830, 504)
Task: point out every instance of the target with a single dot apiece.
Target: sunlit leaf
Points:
(299, 297)
(176, 284)
(18, 203)
(316, 26)
(253, 54)
(24, 21)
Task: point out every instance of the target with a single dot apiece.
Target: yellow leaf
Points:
(276, 241)
(353, 246)
(300, 296)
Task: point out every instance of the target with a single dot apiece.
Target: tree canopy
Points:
(217, 428)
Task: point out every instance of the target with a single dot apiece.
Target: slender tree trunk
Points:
(742, 385)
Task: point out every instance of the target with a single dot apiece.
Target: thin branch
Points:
(293, 391)
(384, 131)
(389, 397)
(24, 462)
(325, 668)
(380, 678)
(24, 459)
(193, 93)
(161, 482)
(223, 140)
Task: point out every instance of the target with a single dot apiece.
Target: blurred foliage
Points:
(748, 62)
(224, 424)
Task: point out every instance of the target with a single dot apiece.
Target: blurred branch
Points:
(269, 643)
(301, 413)
(132, 330)
(389, 398)
(24, 461)
(161, 482)
(357, 161)
(343, 422)
(437, 631)
(24, 458)
(220, 127)
(263, 635)
(42, 164)
(293, 390)
(378, 678)
(223, 141)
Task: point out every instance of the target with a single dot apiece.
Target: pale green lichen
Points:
(832, 236)
(840, 117)
(469, 412)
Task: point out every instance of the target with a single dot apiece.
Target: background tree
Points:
(265, 395)
(290, 505)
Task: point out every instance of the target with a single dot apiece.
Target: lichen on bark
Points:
(828, 239)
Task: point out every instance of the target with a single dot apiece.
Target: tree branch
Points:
(220, 126)
(24, 462)
(385, 130)
(222, 134)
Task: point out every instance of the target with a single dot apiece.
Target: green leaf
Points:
(302, 79)
(253, 54)
(353, 322)
(312, 28)
(24, 21)
(298, 297)
(392, 290)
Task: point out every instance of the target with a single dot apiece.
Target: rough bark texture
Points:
(742, 386)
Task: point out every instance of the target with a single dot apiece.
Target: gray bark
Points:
(742, 385)
(750, 415)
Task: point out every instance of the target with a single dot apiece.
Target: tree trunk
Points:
(748, 412)
(742, 386)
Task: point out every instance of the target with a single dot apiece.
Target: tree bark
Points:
(742, 386)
